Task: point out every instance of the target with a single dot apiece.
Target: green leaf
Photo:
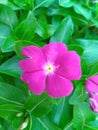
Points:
(8, 16)
(83, 10)
(36, 104)
(20, 44)
(77, 48)
(61, 113)
(82, 114)
(94, 70)
(26, 29)
(67, 3)
(11, 94)
(78, 20)
(10, 67)
(9, 111)
(8, 45)
(84, 67)
(5, 31)
(90, 50)
(5, 125)
(43, 29)
(64, 31)
(78, 95)
(42, 123)
(44, 3)
(3, 1)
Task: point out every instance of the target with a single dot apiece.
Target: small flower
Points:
(92, 88)
(50, 68)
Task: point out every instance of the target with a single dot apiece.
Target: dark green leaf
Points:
(61, 113)
(82, 114)
(8, 45)
(77, 48)
(8, 16)
(44, 3)
(36, 104)
(78, 95)
(5, 31)
(26, 29)
(90, 50)
(11, 94)
(64, 31)
(20, 44)
(94, 70)
(11, 67)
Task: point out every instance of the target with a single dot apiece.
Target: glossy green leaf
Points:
(26, 29)
(69, 126)
(10, 67)
(61, 113)
(43, 29)
(8, 45)
(78, 95)
(90, 50)
(77, 48)
(64, 31)
(11, 94)
(44, 3)
(83, 10)
(94, 70)
(42, 123)
(82, 114)
(20, 44)
(84, 67)
(36, 104)
(67, 3)
(5, 31)
(8, 16)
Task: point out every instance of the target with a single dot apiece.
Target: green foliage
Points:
(38, 22)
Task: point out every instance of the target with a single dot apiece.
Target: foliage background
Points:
(38, 22)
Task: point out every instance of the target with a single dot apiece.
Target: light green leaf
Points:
(67, 3)
(83, 10)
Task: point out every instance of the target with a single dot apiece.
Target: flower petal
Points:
(35, 81)
(36, 60)
(93, 105)
(92, 84)
(53, 50)
(69, 66)
(58, 86)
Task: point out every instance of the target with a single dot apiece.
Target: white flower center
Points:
(49, 68)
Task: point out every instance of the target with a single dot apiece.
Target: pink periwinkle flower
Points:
(92, 88)
(50, 68)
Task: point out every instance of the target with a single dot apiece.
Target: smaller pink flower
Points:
(92, 88)
(50, 68)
